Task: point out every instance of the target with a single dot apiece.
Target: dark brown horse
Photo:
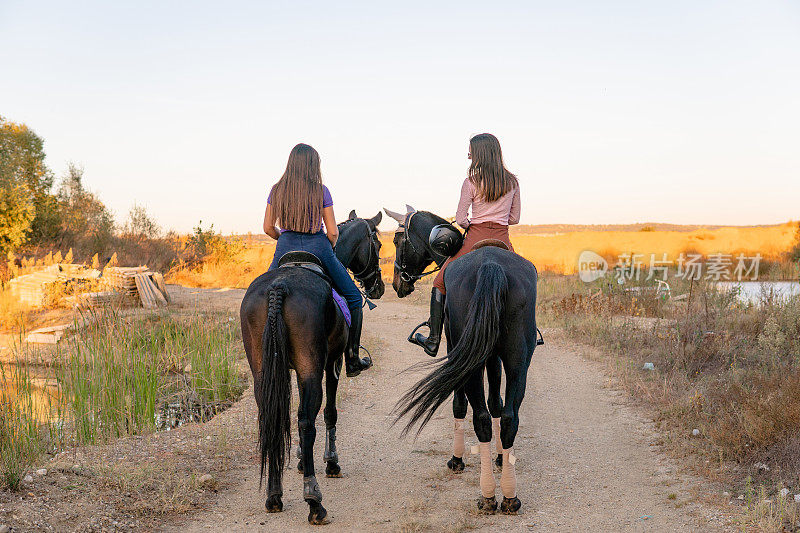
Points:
(290, 321)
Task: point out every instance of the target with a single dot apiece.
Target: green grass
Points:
(22, 439)
(114, 378)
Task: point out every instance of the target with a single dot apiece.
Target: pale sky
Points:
(609, 112)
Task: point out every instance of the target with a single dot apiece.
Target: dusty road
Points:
(586, 460)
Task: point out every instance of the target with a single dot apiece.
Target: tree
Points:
(140, 224)
(83, 216)
(16, 214)
(25, 185)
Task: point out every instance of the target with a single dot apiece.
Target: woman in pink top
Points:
(492, 193)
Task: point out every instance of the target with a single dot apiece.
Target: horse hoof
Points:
(510, 505)
(499, 461)
(456, 464)
(333, 470)
(487, 505)
(300, 466)
(318, 516)
(274, 504)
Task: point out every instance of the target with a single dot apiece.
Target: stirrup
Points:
(414, 331)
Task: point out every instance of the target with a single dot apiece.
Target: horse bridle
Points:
(402, 269)
(365, 276)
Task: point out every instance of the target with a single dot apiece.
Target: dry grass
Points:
(559, 253)
(729, 370)
(556, 253)
(237, 271)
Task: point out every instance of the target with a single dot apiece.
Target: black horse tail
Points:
(477, 341)
(274, 423)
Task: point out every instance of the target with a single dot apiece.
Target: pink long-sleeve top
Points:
(503, 211)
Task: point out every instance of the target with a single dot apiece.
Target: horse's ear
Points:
(374, 221)
(410, 209)
(397, 216)
(352, 215)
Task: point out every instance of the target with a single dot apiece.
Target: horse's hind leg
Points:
(456, 463)
(509, 425)
(493, 371)
(330, 457)
(310, 403)
(482, 422)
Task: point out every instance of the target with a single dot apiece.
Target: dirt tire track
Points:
(585, 456)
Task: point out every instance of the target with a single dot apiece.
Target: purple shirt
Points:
(327, 201)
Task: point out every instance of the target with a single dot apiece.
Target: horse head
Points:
(358, 248)
(413, 254)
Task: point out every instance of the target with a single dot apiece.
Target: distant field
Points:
(553, 250)
(639, 226)
(559, 252)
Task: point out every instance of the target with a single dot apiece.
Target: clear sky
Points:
(680, 111)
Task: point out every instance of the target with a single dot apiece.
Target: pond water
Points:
(757, 291)
(41, 391)
(36, 389)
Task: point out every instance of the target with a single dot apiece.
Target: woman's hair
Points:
(487, 171)
(297, 197)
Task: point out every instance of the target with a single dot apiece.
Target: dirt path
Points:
(585, 456)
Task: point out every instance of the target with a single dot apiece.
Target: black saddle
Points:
(305, 260)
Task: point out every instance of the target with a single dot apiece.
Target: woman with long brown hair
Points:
(303, 207)
(491, 192)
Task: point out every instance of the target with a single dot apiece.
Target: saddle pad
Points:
(490, 242)
(342, 303)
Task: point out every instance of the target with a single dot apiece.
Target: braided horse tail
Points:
(274, 387)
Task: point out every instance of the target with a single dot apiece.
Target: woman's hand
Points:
(330, 224)
(269, 223)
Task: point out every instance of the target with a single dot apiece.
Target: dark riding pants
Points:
(319, 245)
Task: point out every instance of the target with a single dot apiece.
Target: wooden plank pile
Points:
(39, 288)
(78, 285)
(138, 282)
(49, 335)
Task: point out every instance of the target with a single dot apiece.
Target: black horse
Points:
(358, 249)
(289, 321)
(490, 322)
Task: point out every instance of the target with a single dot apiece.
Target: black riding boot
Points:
(354, 365)
(431, 342)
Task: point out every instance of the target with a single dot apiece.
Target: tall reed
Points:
(113, 378)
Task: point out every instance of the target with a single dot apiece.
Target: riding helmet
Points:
(445, 240)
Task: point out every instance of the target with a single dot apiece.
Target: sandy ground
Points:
(586, 457)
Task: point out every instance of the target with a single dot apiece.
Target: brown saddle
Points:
(490, 242)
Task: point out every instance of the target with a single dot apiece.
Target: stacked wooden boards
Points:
(49, 335)
(31, 289)
(138, 282)
(38, 288)
(78, 285)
